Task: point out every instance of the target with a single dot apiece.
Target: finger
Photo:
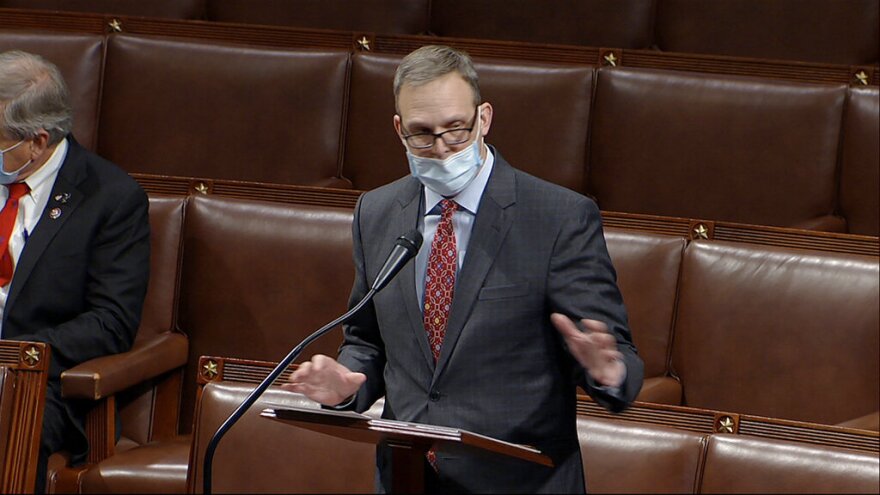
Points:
(565, 326)
(603, 341)
(301, 373)
(594, 325)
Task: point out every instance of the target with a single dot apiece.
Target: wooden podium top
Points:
(361, 428)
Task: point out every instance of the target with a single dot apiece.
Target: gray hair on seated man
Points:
(33, 96)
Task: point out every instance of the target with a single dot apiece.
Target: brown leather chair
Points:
(624, 457)
(202, 109)
(778, 332)
(80, 58)
(548, 103)
(612, 23)
(143, 384)
(24, 370)
(727, 148)
(375, 16)
(742, 464)
(826, 31)
(860, 162)
(259, 455)
(257, 278)
(647, 273)
(174, 9)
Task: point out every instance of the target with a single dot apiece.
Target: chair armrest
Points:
(104, 376)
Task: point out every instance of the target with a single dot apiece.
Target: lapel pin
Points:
(62, 198)
(54, 213)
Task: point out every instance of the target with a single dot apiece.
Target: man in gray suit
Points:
(479, 331)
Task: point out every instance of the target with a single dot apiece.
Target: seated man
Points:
(479, 331)
(74, 241)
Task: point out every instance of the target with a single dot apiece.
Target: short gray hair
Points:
(33, 96)
(431, 62)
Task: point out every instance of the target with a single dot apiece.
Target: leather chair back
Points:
(860, 164)
(136, 407)
(259, 455)
(777, 332)
(201, 109)
(375, 16)
(722, 148)
(80, 58)
(173, 9)
(742, 464)
(613, 23)
(647, 274)
(623, 457)
(258, 278)
(827, 31)
(548, 103)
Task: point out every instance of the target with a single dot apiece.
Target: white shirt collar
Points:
(469, 198)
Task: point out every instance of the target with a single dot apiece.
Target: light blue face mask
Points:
(7, 178)
(449, 176)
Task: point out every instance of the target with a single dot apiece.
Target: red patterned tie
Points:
(7, 222)
(439, 287)
(440, 278)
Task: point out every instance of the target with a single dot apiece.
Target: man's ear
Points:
(39, 144)
(398, 127)
(486, 114)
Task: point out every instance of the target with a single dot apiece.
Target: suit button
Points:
(434, 396)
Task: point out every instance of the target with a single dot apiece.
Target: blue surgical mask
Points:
(449, 176)
(7, 178)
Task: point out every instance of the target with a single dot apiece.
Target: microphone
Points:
(405, 248)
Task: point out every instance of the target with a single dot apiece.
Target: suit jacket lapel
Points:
(492, 223)
(411, 209)
(65, 198)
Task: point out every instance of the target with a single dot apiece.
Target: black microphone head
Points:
(411, 241)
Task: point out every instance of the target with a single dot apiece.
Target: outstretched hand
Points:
(324, 380)
(594, 348)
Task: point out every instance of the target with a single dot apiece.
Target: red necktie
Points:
(439, 286)
(440, 278)
(7, 222)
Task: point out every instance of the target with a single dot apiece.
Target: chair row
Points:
(401, 44)
(827, 31)
(620, 455)
(769, 331)
(661, 142)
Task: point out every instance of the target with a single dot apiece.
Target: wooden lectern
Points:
(408, 441)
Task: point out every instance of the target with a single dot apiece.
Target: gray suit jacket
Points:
(503, 371)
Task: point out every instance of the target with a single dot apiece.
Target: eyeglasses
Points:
(424, 140)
